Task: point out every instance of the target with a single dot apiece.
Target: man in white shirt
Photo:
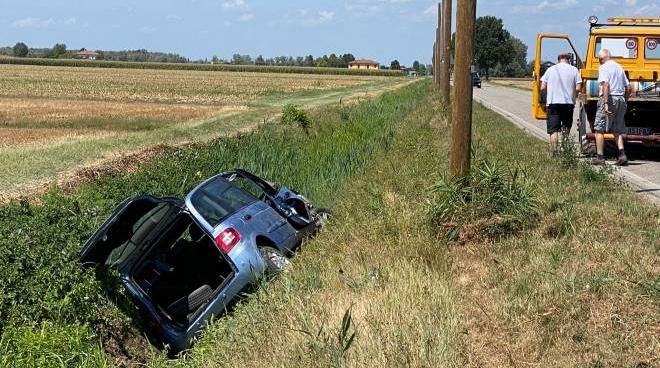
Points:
(562, 82)
(611, 112)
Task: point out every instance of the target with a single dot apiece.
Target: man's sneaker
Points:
(598, 160)
(622, 160)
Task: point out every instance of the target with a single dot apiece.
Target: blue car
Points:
(182, 262)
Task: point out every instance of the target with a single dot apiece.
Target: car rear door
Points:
(126, 231)
(538, 96)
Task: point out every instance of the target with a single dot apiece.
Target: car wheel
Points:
(321, 216)
(275, 260)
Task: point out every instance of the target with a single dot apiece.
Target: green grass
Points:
(576, 286)
(42, 282)
(198, 67)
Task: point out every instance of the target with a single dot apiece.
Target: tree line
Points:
(60, 51)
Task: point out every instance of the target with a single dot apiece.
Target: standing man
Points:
(611, 112)
(563, 82)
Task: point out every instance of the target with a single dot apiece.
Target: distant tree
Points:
(20, 49)
(395, 65)
(309, 61)
(491, 44)
(215, 59)
(517, 65)
(422, 69)
(300, 60)
(334, 61)
(347, 59)
(58, 50)
(323, 61)
(259, 60)
(416, 67)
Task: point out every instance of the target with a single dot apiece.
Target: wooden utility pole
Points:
(445, 57)
(461, 139)
(433, 61)
(438, 48)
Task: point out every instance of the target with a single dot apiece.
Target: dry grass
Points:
(575, 290)
(58, 112)
(162, 86)
(525, 84)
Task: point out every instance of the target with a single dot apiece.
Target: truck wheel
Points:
(275, 260)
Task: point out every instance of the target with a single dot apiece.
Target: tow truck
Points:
(634, 44)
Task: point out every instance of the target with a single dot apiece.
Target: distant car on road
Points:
(182, 262)
(476, 80)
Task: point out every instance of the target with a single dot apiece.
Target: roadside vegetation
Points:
(533, 260)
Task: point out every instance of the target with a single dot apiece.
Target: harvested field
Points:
(54, 120)
(162, 86)
(521, 83)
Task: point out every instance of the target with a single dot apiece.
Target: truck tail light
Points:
(227, 239)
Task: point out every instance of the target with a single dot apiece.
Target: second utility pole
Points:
(438, 49)
(445, 56)
(461, 133)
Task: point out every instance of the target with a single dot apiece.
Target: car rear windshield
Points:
(218, 199)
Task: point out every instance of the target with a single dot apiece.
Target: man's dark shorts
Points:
(560, 117)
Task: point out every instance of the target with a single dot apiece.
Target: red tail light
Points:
(227, 239)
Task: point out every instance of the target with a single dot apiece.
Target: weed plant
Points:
(492, 200)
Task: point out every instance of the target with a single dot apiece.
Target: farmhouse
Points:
(86, 55)
(363, 64)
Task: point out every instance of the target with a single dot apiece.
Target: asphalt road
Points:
(643, 172)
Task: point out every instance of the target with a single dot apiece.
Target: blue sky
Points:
(377, 29)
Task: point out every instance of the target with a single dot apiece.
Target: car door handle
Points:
(247, 217)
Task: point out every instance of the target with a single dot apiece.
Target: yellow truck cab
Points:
(634, 44)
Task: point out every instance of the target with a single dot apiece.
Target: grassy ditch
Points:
(52, 313)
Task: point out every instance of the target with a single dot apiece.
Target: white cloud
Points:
(647, 10)
(172, 17)
(544, 6)
(235, 5)
(246, 17)
(31, 22)
(304, 17)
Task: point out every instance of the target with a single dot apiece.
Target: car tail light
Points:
(227, 239)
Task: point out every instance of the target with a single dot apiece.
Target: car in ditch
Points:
(183, 261)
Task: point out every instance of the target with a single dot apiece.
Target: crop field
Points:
(56, 119)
